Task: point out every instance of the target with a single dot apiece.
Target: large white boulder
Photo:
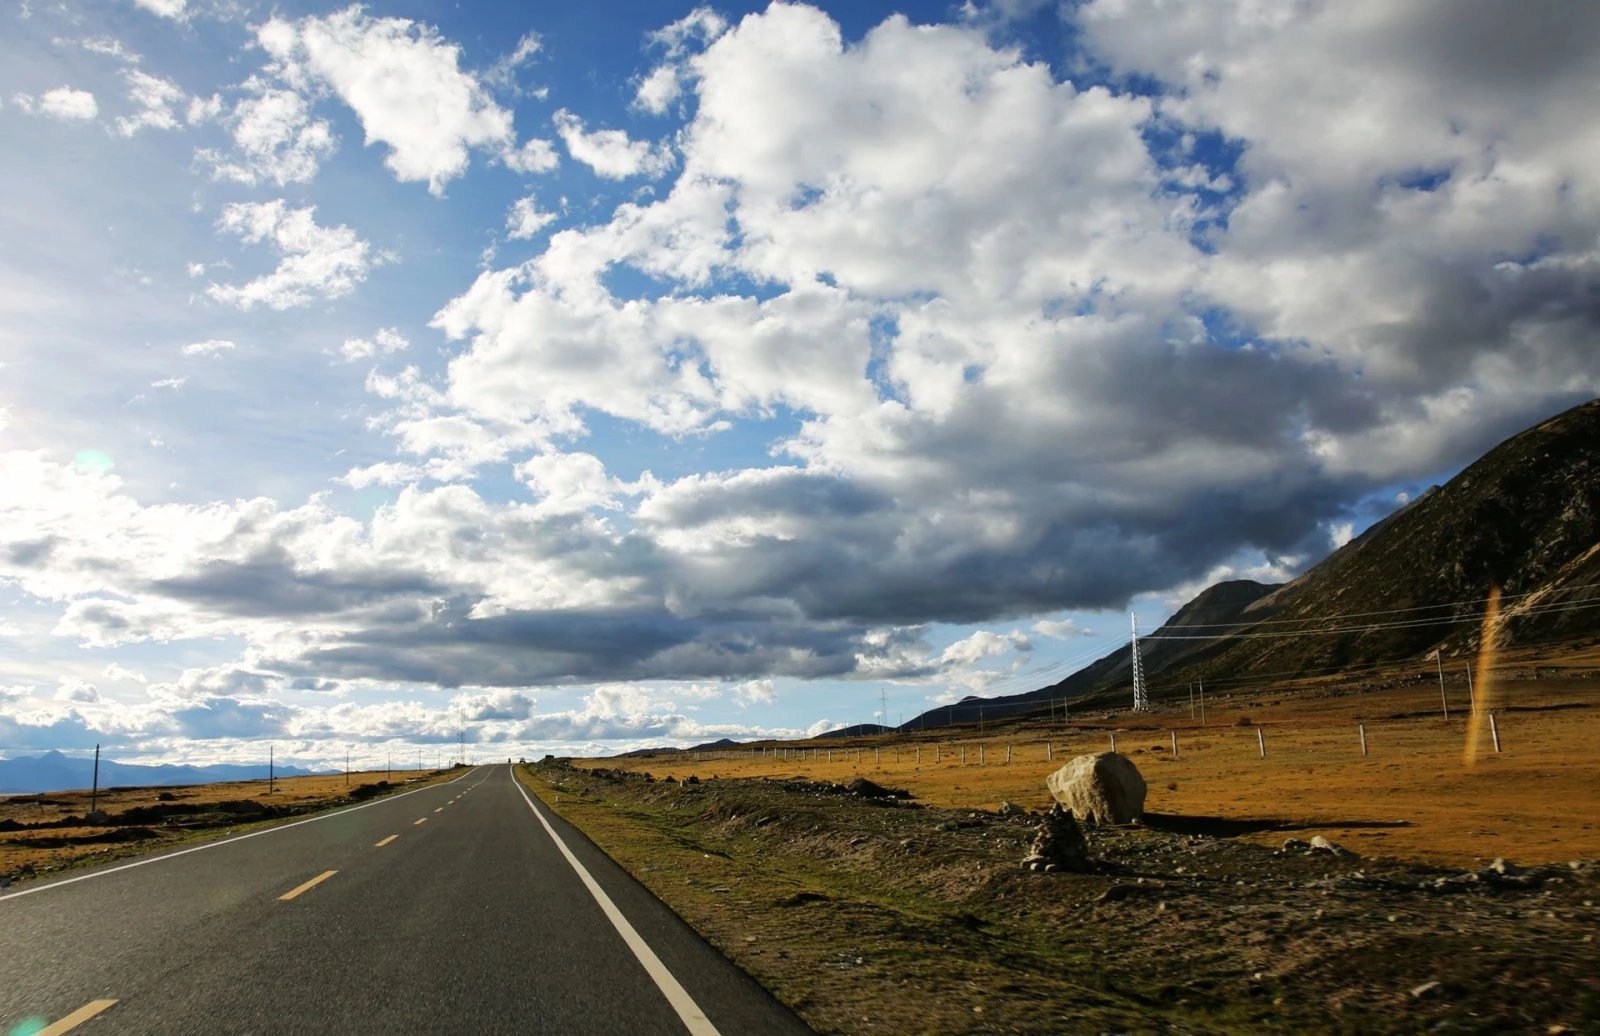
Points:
(1103, 788)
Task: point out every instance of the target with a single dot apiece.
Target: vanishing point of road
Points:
(461, 907)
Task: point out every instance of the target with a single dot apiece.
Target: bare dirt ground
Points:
(41, 834)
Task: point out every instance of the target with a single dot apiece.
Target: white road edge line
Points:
(689, 1012)
(220, 841)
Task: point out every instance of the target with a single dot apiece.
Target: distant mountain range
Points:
(1524, 518)
(54, 771)
(858, 730)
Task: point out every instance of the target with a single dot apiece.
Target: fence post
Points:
(1494, 732)
(1113, 740)
(1049, 753)
(1008, 755)
(963, 755)
(1362, 727)
(980, 755)
(1261, 740)
(1174, 744)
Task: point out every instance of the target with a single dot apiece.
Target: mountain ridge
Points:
(1523, 519)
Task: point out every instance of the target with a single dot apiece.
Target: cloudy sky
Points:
(600, 374)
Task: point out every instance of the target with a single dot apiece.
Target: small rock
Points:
(1427, 989)
(1501, 865)
(1291, 844)
(1321, 843)
(1011, 809)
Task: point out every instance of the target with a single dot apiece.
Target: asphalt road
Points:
(450, 909)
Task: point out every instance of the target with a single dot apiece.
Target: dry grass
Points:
(1538, 801)
(29, 851)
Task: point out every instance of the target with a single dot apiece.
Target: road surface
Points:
(463, 907)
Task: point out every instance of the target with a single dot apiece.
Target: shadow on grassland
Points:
(1222, 827)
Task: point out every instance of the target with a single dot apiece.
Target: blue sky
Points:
(624, 373)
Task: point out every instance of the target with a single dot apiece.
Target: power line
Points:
(1443, 620)
(1386, 611)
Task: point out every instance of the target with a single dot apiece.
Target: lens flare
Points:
(93, 462)
(1483, 681)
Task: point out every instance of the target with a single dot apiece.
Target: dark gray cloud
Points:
(270, 584)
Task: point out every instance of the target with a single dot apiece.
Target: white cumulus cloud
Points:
(155, 98)
(174, 9)
(525, 220)
(609, 152)
(314, 261)
(275, 140)
(211, 346)
(64, 102)
(404, 82)
(385, 341)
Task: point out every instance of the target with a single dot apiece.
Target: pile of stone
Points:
(1059, 845)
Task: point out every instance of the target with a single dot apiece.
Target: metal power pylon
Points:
(1141, 698)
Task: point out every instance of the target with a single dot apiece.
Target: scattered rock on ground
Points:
(1011, 809)
(869, 790)
(1102, 787)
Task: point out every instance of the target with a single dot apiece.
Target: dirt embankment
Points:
(878, 915)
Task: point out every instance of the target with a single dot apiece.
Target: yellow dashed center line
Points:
(386, 841)
(424, 820)
(76, 1018)
(313, 883)
(439, 810)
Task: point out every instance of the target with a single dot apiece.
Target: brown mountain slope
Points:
(1525, 518)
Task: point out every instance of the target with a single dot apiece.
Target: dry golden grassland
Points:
(867, 916)
(1537, 801)
(35, 850)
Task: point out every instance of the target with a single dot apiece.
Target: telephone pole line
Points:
(1141, 697)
